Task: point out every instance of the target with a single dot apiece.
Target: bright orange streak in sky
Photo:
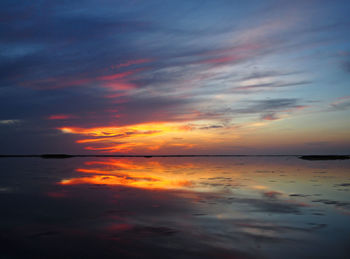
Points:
(149, 136)
(150, 128)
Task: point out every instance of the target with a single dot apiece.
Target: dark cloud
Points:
(258, 87)
(268, 105)
(271, 194)
(344, 204)
(262, 74)
(342, 185)
(317, 143)
(346, 66)
(342, 103)
(212, 127)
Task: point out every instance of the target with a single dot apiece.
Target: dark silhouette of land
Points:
(47, 156)
(329, 157)
(304, 157)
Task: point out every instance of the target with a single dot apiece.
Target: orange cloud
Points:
(139, 129)
(125, 147)
(147, 136)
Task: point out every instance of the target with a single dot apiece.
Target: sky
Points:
(175, 77)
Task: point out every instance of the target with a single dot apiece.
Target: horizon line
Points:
(162, 155)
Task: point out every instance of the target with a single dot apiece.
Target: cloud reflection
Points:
(236, 207)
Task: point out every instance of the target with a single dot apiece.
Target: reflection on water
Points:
(223, 207)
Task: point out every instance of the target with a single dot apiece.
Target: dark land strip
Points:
(62, 156)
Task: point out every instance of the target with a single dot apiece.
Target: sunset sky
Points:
(175, 77)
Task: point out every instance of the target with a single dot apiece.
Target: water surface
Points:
(202, 207)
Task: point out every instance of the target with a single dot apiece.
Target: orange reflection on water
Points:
(147, 183)
(288, 179)
(127, 173)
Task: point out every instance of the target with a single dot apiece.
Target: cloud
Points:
(61, 117)
(317, 143)
(269, 117)
(341, 103)
(270, 85)
(211, 127)
(346, 66)
(268, 105)
(124, 63)
(9, 122)
(271, 73)
(128, 138)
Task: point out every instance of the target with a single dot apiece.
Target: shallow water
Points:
(222, 207)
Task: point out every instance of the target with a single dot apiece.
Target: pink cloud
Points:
(270, 117)
(132, 62)
(117, 75)
(220, 60)
(61, 117)
(119, 85)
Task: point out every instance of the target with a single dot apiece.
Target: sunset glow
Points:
(136, 77)
(150, 136)
(173, 129)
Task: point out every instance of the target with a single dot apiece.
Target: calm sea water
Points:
(223, 207)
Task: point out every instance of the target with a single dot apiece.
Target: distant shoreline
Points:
(63, 156)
